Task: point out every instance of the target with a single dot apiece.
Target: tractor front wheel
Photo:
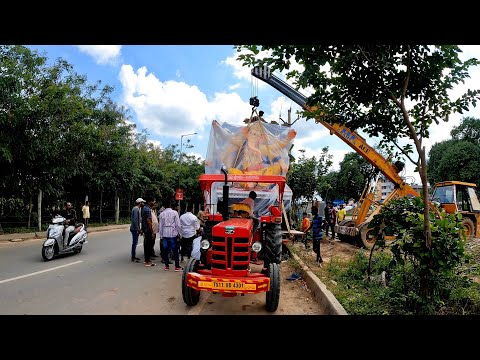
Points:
(273, 295)
(190, 296)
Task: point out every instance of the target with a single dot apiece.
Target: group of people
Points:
(319, 223)
(176, 233)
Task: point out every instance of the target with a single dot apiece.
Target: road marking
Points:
(39, 272)
(203, 300)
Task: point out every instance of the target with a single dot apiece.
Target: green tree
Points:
(354, 173)
(305, 177)
(454, 160)
(396, 91)
(457, 158)
(469, 129)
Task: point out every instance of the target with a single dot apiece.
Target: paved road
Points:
(103, 280)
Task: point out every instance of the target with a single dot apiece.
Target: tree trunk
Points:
(117, 207)
(101, 203)
(426, 209)
(30, 206)
(39, 209)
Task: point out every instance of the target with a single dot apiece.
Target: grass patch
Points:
(396, 291)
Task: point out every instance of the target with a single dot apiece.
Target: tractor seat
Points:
(241, 210)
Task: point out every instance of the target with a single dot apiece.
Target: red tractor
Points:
(232, 238)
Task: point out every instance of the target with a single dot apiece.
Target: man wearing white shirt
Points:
(169, 228)
(189, 225)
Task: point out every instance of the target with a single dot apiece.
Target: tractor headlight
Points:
(205, 244)
(256, 246)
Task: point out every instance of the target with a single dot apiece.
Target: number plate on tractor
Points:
(226, 285)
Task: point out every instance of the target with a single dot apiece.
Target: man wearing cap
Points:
(136, 227)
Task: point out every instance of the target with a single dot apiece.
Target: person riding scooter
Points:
(70, 216)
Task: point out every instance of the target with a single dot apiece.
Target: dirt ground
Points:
(328, 248)
(299, 300)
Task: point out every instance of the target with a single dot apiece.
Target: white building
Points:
(385, 186)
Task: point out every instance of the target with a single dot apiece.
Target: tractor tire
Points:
(273, 295)
(368, 239)
(468, 228)
(190, 296)
(272, 246)
(343, 237)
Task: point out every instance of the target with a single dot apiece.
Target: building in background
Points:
(385, 187)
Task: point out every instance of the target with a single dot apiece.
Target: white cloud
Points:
(197, 156)
(155, 143)
(177, 73)
(172, 108)
(233, 87)
(243, 72)
(102, 54)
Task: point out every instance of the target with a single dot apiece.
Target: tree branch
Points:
(405, 83)
(406, 154)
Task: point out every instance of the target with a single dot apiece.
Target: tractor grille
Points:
(230, 253)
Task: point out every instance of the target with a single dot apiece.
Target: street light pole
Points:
(180, 161)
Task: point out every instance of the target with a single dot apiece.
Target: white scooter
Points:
(54, 245)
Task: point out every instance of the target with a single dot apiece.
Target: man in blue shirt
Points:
(316, 226)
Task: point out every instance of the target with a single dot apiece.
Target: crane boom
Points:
(351, 138)
(358, 225)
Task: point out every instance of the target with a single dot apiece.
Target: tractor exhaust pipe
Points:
(226, 188)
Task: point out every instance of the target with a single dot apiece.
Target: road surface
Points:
(103, 280)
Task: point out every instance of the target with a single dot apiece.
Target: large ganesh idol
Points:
(256, 149)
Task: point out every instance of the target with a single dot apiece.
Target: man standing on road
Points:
(86, 213)
(147, 228)
(189, 226)
(136, 227)
(169, 228)
(155, 229)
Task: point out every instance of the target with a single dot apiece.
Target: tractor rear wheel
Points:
(190, 296)
(272, 249)
(273, 295)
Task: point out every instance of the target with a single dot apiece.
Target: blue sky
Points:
(179, 89)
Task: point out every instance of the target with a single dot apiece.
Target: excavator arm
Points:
(357, 143)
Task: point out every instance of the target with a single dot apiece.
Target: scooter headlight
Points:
(205, 244)
(256, 246)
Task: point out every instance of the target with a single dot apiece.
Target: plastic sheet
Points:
(256, 149)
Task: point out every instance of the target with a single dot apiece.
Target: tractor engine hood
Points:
(235, 227)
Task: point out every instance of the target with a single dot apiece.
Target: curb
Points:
(328, 303)
(19, 237)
